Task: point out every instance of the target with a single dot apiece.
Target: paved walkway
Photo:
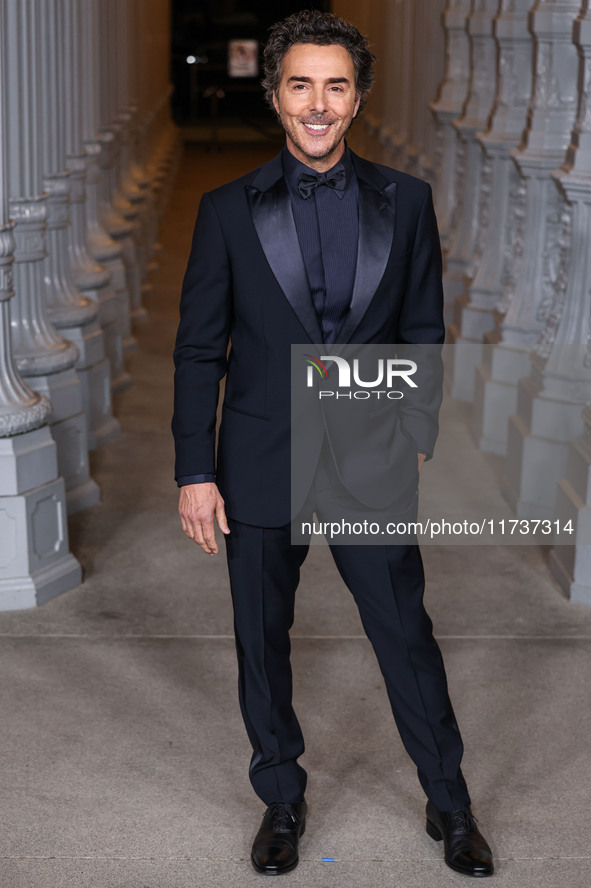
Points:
(123, 755)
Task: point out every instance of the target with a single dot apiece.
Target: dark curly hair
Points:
(322, 29)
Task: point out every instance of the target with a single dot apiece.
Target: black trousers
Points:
(387, 582)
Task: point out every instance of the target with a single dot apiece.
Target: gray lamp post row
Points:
(506, 144)
(80, 193)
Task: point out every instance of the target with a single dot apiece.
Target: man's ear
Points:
(275, 102)
(357, 103)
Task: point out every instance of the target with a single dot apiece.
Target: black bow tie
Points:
(309, 182)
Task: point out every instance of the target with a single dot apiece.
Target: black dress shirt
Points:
(327, 225)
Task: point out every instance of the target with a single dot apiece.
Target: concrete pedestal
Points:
(495, 394)
(95, 382)
(35, 562)
(537, 447)
(68, 426)
(571, 564)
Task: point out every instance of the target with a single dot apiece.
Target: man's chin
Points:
(318, 152)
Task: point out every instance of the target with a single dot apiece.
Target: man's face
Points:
(316, 102)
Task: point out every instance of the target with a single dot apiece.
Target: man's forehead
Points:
(316, 56)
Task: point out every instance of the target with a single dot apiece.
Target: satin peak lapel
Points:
(272, 217)
(376, 233)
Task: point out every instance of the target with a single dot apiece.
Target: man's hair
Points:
(322, 29)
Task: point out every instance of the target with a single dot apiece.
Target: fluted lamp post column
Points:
(391, 71)
(117, 214)
(35, 562)
(543, 268)
(434, 61)
(447, 107)
(427, 69)
(501, 214)
(138, 177)
(134, 194)
(537, 239)
(473, 182)
(404, 87)
(164, 144)
(88, 277)
(559, 384)
(42, 354)
(68, 309)
(571, 564)
(115, 312)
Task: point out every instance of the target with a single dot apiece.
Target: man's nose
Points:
(317, 100)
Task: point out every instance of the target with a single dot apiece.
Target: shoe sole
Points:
(434, 833)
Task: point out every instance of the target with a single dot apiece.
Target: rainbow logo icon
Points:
(316, 364)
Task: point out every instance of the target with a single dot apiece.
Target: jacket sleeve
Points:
(200, 354)
(422, 331)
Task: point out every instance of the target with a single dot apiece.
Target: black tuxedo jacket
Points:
(246, 284)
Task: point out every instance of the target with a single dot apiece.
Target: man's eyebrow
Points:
(309, 79)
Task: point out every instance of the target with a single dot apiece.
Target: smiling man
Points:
(317, 246)
(315, 104)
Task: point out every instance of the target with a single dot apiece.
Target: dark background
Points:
(202, 28)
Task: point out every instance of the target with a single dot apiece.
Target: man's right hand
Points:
(198, 504)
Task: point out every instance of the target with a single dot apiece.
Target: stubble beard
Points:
(324, 153)
(293, 136)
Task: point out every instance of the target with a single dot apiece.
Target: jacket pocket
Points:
(245, 413)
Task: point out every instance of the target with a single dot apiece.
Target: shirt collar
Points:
(293, 169)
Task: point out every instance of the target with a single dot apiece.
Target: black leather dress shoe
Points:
(275, 848)
(466, 850)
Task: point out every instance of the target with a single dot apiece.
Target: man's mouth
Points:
(317, 127)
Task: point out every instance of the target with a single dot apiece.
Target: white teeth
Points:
(317, 126)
